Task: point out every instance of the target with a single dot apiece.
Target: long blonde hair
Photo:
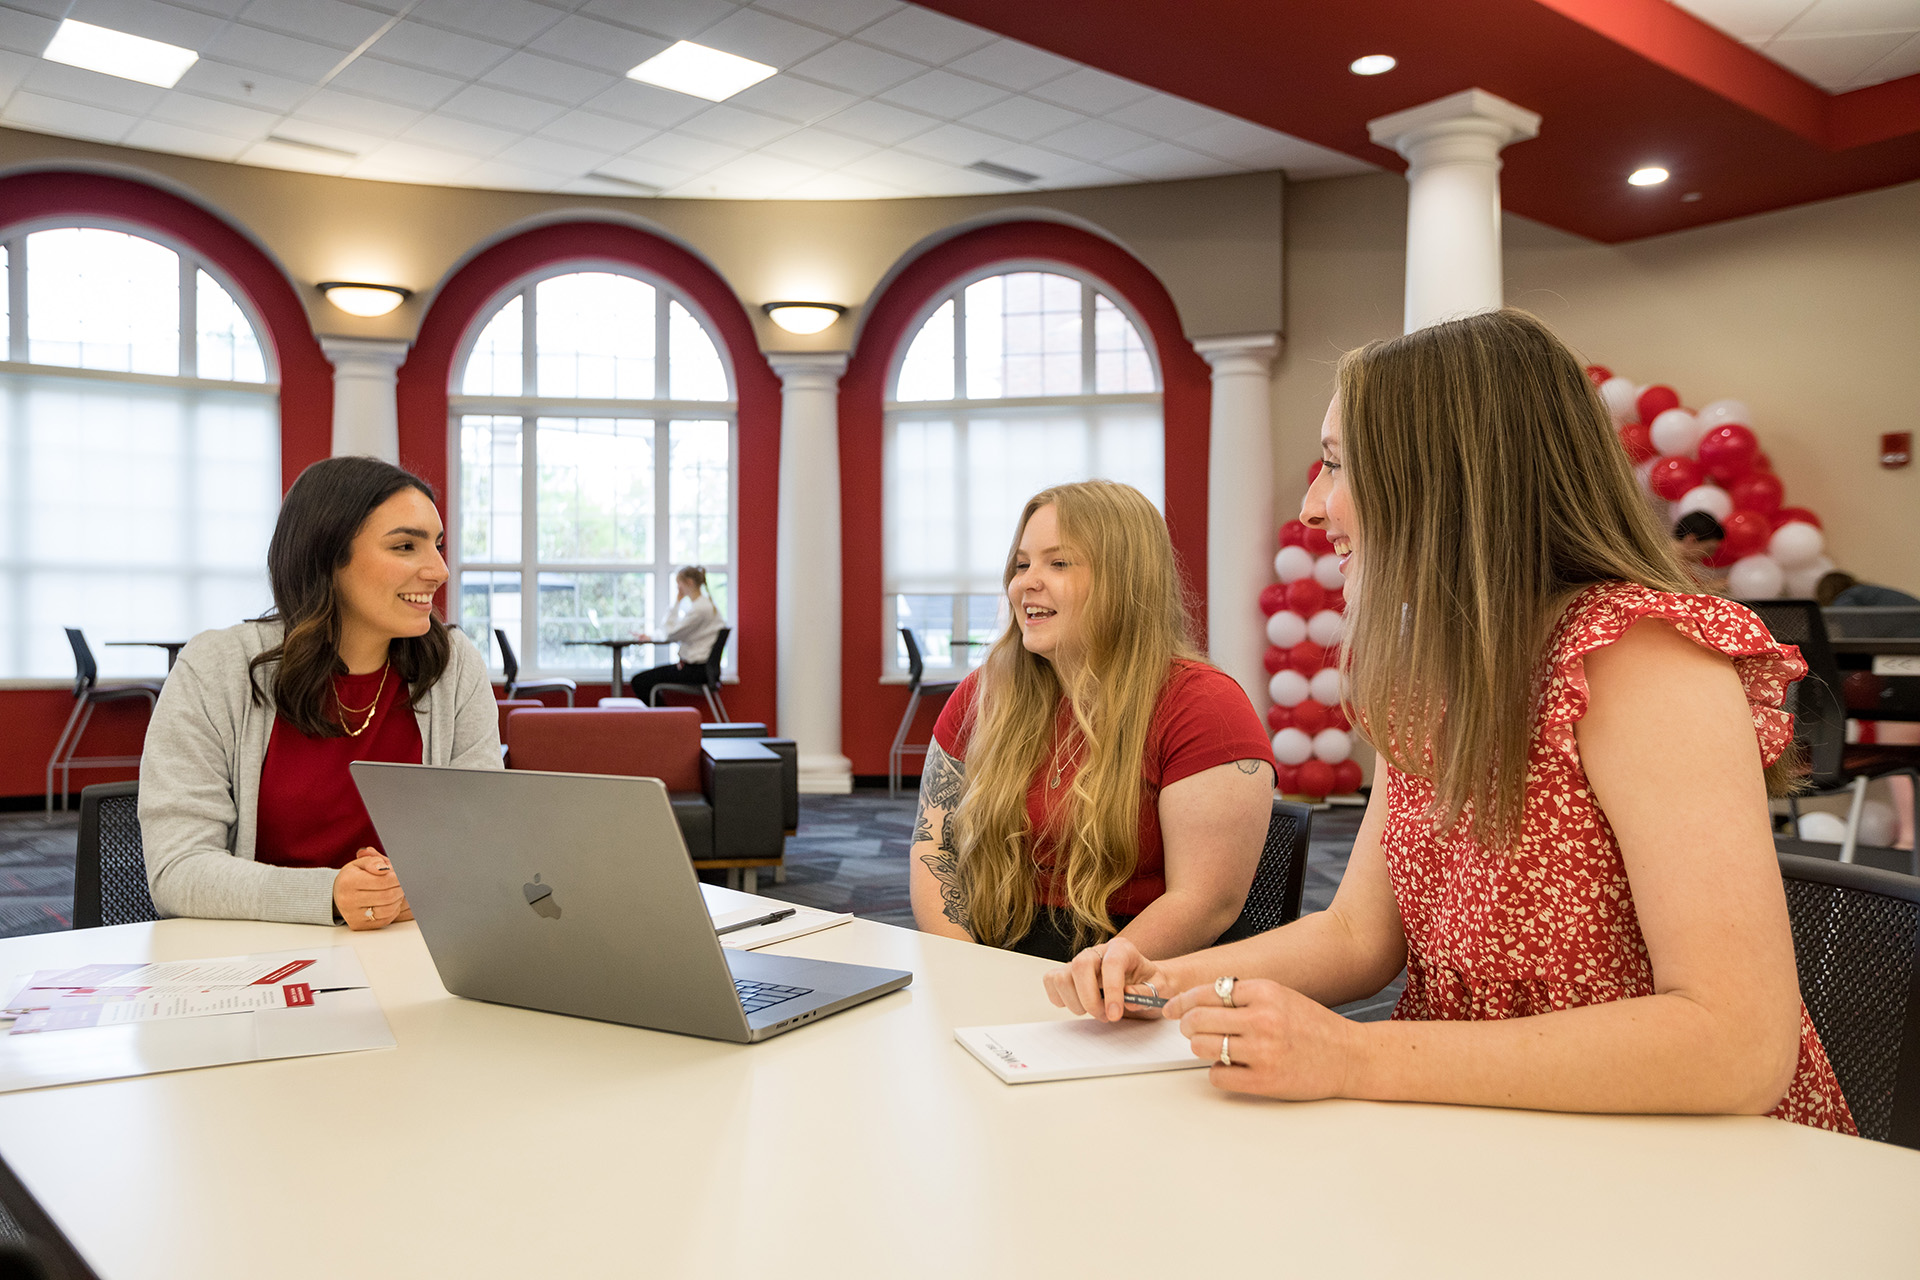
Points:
(1132, 627)
(1489, 487)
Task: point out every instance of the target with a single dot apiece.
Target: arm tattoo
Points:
(941, 784)
(1248, 767)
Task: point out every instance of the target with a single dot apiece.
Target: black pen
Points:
(748, 924)
(1145, 1002)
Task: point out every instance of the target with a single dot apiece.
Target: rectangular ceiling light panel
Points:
(115, 53)
(705, 73)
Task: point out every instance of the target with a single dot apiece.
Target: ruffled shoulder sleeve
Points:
(1600, 615)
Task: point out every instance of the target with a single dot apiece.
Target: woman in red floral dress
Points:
(1568, 846)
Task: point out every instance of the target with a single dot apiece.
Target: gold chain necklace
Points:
(366, 711)
(1060, 766)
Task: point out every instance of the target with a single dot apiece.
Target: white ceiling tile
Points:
(511, 177)
(705, 187)
(856, 68)
(943, 94)
(14, 68)
(332, 22)
(792, 98)
(955, 144)
(1232, 139)
(339, 137)
(460, 135)
(1162, 161)
(73, 119)
(149, 18)
(651, 172)
(405, 162)
(259, 89)
(285, 55)
(842, 17)
(1855, 17)
(55, 9)
(1094, 140)
(352, 111)
(927, 36)
(1164, 116)
(1746, 19)
(218, 8)
(1094, 92)
(543, 77)
(1832, 62)
(76, 85)
(436, 50)
(215, 117)
(25, 32)
(156, 135)
(275, 156)
(723, 123)
(764, 38)
(645, 104)
(512, 22)
(1012, 65)
(591, 129)
(762, 170)
(1022, 119)
(878, 122)
(819, 148)
(674, 19)
(1050, 166)
(498, 107)
(1303, 160)
(843, 186)
(378, 78)
(1904, 61)
(970, 182)
(588, 184)
(900, 169)
(616, 50)
(561, 157)
(676, 151)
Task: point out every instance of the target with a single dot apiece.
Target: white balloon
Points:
(1709, 498)
(1878, 823)
(1288, 688)
(1755, 578)
(1292, 746)
(1293, 564)
(1620, 398)
(1326, 687)
(1286, 629)
(1325, 628)
(1719, 413)
(1332, 745)
(1326, 572)
(1676, 433)
(1802, 581)
(1796, 544)
(1827, 828)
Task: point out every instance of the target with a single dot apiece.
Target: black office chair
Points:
(1835, 767)
(89, 693)
(916, 688)
(110, 873)
(711, 689)
(1856, 942)
(510, 665)
(1274, 898)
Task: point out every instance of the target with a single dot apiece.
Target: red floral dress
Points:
(1551, 925)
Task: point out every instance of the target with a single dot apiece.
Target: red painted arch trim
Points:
(306, 376)
(870, 713)
(423, 405)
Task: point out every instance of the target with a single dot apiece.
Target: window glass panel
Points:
(1121, 364)
(697, 482)
(493, 368)
(490, 479)
(927, 372)
(595, 335)
(1023, 336)
(986, 619)
(226, 347)
(923, 480)
(103, 300)
(590, 606)
(6, 293)
(693, 362)
(930, 618)
(596, 489)
(489, 601)
(986, 333)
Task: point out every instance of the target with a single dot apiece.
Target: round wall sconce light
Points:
(1652, 176)
(1374, 64)
(364, 299)
(803, 317)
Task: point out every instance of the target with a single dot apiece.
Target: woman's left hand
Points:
(1282, 1045)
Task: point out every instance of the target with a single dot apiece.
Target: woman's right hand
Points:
(367, 894)
(1097, 979)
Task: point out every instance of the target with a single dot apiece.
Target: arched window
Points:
(593, 422)
(1013, 381)
(139, 449)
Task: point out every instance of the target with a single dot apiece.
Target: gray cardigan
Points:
(200, 776)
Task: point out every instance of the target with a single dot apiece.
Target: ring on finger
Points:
(1226, 1052)
(1223, 987)
(369, 913)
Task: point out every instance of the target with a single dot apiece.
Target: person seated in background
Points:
(1568, 845)
(693, 623)
(1844, 591)
(1696, 538)
(1094, 776)
(247, 810)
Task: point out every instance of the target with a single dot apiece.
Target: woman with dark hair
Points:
(247, 810)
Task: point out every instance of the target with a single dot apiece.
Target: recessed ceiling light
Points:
(705, 73)
(358, 299)
(803, 317)
(115, 53)
(1372, 65)
(1647, 177)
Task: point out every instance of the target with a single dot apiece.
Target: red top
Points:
(1551, 924)
(1203, 720)
(309, 813)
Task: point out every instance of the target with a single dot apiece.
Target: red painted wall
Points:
(424, 381)
(870, 711)
(33, 718)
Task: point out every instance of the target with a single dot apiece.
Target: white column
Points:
(1452, 148)
(809, 581)
(1240, 523)
(366, 414)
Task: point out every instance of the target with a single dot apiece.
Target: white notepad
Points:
(1077, 1048)
(730, 906)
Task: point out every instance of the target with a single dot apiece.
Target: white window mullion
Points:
(17, 299)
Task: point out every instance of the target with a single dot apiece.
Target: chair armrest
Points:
(742, 781)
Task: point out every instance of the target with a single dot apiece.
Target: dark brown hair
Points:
(312, 542)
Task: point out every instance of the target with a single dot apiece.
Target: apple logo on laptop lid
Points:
(540, 898)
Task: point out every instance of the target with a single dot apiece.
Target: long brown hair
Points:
(1489, 487)
(1132, 627)
(312, 542)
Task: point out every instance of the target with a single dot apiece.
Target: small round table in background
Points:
(619, 677)
(173, 647)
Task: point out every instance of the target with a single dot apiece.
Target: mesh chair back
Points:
(1819, 715)
(715, 654)
(1274, 898)
(1856, 942)
(916, 665)
(86, 672)
(110, 872)
(509, 664)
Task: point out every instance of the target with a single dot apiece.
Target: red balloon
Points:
(1286, 777)
(1761, 462)
(1785, 515)
(1336, 601)
(1655, 401)
(1274, 599)
(1306, 657)
(1310, 717)
(1598, 373)
(1336, 718)
(1292, 533)
(1317, 541)
(1346, 777)
(1279, 717)
(1638, 441)
(1313, 472)
(1316, 779)
(1304, 596)
(1727, 452)
(1747, 534)
(1671, 478)
(1757, 491)
(1274, 659)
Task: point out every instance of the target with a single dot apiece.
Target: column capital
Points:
(1466, 127)
(808, 370)
(1239, 352)
(369, 355)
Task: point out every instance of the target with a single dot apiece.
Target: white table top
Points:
(500, 1142)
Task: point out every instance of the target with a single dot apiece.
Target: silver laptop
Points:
(572, 893)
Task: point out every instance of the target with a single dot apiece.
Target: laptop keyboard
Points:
(755, 996)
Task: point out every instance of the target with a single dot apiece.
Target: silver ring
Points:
(1223, 987)
(369, 913)
(1226, 1054)
(1153, 990)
